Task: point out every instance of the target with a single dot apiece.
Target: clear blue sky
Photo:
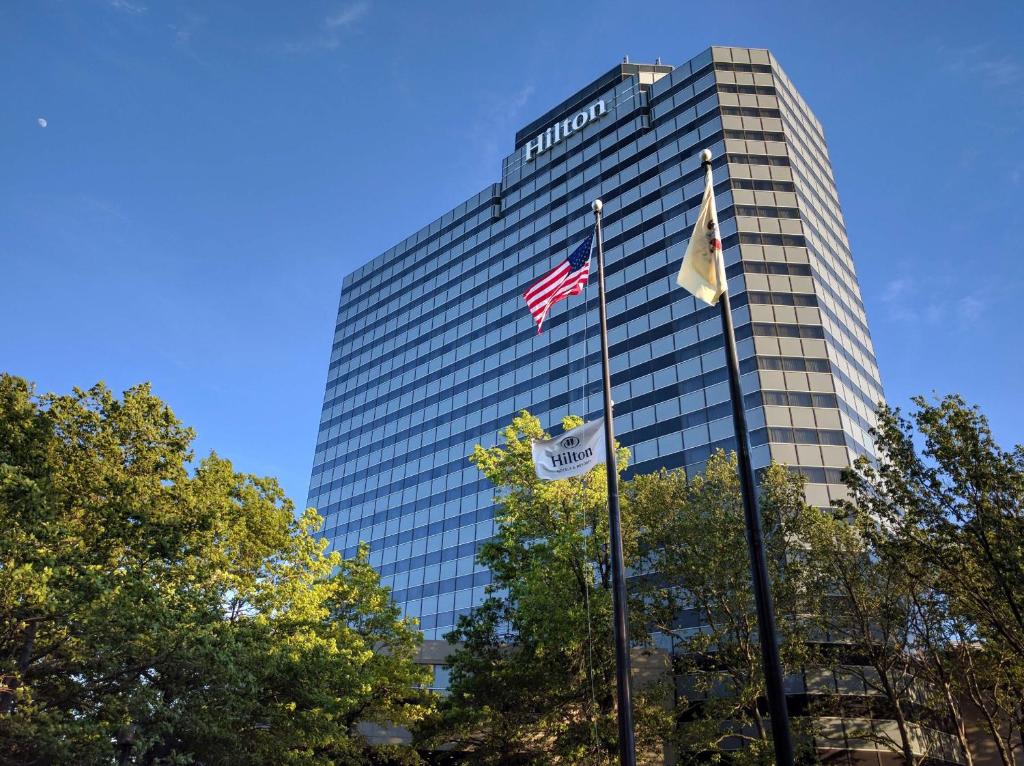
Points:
(209, 172)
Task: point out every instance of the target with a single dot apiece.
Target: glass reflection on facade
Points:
(434, 350)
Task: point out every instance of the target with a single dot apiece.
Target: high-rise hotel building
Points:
(434, 350)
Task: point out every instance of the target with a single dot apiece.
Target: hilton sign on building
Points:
(562, 130)
(434, 350)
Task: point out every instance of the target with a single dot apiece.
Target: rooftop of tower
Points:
(645, 73)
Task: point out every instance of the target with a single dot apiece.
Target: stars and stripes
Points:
(568, 279)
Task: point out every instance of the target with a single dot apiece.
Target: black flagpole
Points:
(627, 745)
(770, 662)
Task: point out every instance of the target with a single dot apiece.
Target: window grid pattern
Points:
(434, 351)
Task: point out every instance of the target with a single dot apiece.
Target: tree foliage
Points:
(900, 608)
(159, 610)
(533, 677)
(703, 602)
(865, 596)
(942, 510)
(958, 503)
(151, 612)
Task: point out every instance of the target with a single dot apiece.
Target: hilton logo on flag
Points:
(572, 454)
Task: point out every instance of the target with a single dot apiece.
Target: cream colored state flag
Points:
(703, 270)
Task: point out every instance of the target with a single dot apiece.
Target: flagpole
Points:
(627, 745)
(772, 666)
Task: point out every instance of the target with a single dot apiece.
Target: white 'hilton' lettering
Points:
(568, 458)
(561, 130)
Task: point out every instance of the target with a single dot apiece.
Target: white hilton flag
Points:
(572, 454)
(703, 271)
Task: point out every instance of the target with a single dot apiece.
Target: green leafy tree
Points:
(704, 601)
(959, 502)
(154, 613)
(867, 595)
(904, 603)
(944, 504)
(989, 678)
(939, 651)
(533, 675)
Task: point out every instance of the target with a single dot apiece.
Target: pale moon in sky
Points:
(42, 122)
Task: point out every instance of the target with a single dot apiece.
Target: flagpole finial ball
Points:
(705, 156)
(597, 205)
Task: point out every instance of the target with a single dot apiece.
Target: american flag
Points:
(568, 279)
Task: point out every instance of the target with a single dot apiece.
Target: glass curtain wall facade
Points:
(434, 349)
